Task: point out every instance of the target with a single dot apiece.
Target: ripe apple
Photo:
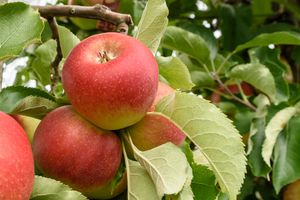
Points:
(16, 161)
(70, 149)
(292, 191)
(29, 124)
(162, 91)
(154, 130)
(111, 79)
(247, 89)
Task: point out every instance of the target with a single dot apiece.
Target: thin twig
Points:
(1, 73)
(234, 97)
(91, 12)
(55, 78)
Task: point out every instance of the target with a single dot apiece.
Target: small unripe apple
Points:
(162, 91)
(111, 79)
(29, 124)
(16, 161)
(154, 130)
(70, 149)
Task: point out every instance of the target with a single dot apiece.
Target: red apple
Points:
(16, 161)
(162, 91)
(68, 148)
(247, 89)
(154, 130)
(292, 191)
(111, 79)
(29, 124)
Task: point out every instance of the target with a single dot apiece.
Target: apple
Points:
(154, 130)
(29, 124)
(111, 79)
(247, 89)
(162, 91)
(292, 191)
(70, 149)
(16, 161)
(112, 4)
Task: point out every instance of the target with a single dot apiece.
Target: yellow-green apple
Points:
(153, 130)
(29, 124)
(111, 79)
(16, 161)
(70, 149)
(162, 91)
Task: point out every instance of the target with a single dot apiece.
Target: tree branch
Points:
(55, 64)
(245, 103)
(91, 12)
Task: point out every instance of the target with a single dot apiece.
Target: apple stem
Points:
(103, 57)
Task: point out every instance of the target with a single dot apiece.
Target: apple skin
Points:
(154, 130)
(16, 161)
(162, 91)
(29, 124)
(292, 191)
(114, 94)
(70, 149)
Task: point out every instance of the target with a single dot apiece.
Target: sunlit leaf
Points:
(20, 26)
(257, 75)
(213, 133)
(175, 72)
(274, 127)
(153, 24)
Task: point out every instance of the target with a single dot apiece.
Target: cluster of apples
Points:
(112, 82)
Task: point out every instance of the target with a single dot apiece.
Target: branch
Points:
(55, 64)
(97, 11)
(245, 103)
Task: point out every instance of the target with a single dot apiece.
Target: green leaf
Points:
(213, 133)
(26, 101)
(261, 10)
(153, 24)
(203, 184)
(277, 38)
(271, 59)
(257, 75)
(255, 142)
(274, 127)
(50, 189)
(20, 26)
(175, 72)
(186, 42)
(67, 40)
(166, 165)
(286, 155)
(140, 184)
(45, 54)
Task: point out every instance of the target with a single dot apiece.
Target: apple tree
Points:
(220, 113)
